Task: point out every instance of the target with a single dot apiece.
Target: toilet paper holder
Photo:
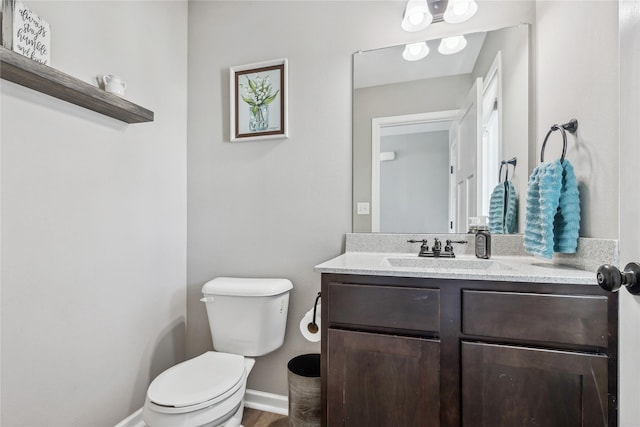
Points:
(313, 326)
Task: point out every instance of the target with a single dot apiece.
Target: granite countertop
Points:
(391, 255)
(499, 268)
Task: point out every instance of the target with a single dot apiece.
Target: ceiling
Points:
(386, 66)
(418, 127)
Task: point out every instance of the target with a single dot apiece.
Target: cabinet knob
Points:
(611, 279)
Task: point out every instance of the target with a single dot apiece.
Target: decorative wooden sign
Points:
(25, 32)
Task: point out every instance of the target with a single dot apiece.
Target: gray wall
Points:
(414, 191)
(270, 208)
(584, 86)
(94, 221)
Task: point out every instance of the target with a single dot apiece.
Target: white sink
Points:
(445, 263)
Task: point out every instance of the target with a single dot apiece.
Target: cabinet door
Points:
(382, 380)
(519, 386)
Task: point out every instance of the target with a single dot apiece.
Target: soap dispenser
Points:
(483, 238)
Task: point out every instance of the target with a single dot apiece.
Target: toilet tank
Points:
(247, 316)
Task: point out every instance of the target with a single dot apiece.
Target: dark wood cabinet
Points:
(401, 351)
(506, 386)
(363, 390)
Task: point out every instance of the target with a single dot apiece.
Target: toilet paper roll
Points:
(304, 325)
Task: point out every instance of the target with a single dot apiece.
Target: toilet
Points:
(247, 318)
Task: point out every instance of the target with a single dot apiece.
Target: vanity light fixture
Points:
(415, 51)
(460, 11)
(451, 45)
(417, 16)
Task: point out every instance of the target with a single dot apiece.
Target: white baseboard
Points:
(267, 402)
(133, 420)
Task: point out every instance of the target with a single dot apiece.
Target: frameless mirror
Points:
(430, 135)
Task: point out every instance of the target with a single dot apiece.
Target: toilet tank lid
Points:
(241, 286)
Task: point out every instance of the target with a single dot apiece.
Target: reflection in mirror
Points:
(429, 135)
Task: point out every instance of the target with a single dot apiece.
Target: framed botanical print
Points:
(259, 101)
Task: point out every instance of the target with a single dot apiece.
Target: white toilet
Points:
(247, 317)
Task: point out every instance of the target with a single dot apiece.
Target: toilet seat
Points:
(197, 383)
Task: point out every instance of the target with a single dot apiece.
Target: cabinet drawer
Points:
(384, 307)
(570, 319)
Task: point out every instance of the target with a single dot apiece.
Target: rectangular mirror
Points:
(430, 135)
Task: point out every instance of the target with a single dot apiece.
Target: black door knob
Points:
(611, 279)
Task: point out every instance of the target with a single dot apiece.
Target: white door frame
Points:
(377, 123)
(466, 202)
(629, 211)
(494, 74)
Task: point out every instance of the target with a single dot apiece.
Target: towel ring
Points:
(571, 126)
(512, 162)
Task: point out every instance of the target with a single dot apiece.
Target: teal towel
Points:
(503, 209)
(552, 220)
(566, 223)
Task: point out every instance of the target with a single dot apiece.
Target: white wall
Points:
(94, 221)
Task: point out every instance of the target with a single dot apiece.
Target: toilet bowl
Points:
(207, 390)
(247, 317)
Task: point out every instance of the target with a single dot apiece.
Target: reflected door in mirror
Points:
(467, 139)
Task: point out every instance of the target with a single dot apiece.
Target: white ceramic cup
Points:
(113, 84)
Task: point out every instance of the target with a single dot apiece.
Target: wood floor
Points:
(255, 418)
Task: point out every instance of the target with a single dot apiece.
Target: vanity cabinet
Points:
(402, 351)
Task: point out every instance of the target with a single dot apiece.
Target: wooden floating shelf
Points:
(42, 78)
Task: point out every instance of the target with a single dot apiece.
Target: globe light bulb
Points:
(416, 16)
(451, 45)
(459, 11)
(415, 51)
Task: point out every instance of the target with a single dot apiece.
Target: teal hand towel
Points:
(503, 208)
(552, 218)
(496, 209)
(566, 223)
(511, 209)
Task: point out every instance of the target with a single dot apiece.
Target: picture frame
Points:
(259, 107)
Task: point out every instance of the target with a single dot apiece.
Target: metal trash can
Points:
(304, 390)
